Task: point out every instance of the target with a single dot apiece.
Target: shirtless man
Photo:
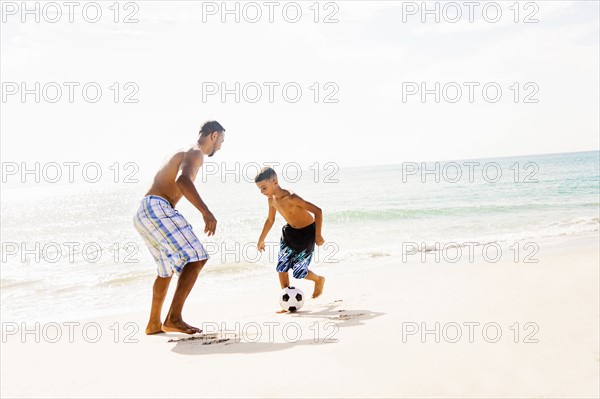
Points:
(167, 234)
(298, 237)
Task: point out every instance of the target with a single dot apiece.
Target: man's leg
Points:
(319, 283)
(187, 279)
(159, 292)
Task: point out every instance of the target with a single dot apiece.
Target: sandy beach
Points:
(143, 138)
(365, 337)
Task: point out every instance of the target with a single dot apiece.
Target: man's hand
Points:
(261, 245)
(210, 223)
(319, 240)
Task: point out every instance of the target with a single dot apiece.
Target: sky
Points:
(367, 61)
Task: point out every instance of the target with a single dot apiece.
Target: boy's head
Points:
(213, 133)
(266, 181)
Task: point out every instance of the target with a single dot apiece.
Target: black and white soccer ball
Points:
(291, 299)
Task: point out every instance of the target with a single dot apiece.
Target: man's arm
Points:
(315, 210)
(267, 227)
(191, 163)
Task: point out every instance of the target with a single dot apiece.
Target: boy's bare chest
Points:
(283, 205)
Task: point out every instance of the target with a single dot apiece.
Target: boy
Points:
(298, 236)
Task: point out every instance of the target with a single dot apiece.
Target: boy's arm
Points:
(315, 210)
(267, 227)
(192, 161)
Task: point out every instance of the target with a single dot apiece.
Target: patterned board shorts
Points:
(168, 236)
(296, 249)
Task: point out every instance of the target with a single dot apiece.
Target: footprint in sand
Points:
(206, 339)
(347, 316)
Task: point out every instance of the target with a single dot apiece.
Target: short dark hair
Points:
(211, 126)
(265, 173)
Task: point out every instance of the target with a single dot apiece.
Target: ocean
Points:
(71, 252)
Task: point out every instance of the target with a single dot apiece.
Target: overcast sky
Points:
(367, 61)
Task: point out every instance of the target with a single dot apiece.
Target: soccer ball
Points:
(291, 299)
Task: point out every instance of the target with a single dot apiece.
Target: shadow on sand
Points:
(327, 321)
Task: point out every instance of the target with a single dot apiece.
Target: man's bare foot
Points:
(318, 287)
(179, 326)
(152, 329)
(198, 330)
(281, 311)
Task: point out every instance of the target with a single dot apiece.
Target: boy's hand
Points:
(261, 246)
(210, 223)
(319, 240)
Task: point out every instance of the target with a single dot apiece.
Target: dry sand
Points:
(362, 338)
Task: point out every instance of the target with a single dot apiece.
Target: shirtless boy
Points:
(167, 234)
(298, 236)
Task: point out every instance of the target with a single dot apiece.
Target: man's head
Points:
(266, 181)
(212, 134)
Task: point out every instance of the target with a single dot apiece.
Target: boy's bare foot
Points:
(179, 326)
(319, 283)
(281, 311)
(152, 329)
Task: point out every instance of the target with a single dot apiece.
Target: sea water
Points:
(71, 252)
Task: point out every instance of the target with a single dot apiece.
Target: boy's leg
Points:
(284, 279)
(187, 279)
(159, 292)
(319, 283)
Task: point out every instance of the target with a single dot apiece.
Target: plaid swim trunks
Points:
(168, 236)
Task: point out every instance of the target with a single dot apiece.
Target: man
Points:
(167, 234)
